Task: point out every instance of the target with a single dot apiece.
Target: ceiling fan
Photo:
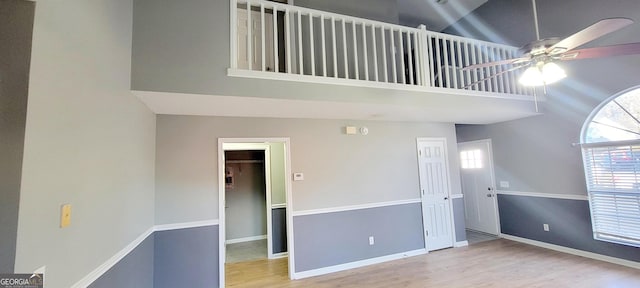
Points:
(539, 56)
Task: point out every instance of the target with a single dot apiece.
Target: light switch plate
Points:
(65, 215)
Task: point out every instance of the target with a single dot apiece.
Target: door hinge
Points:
(426, 232)
(420, 153)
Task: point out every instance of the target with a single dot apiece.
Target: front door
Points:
(434, 186)
(481, 213)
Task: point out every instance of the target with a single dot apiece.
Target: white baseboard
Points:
(461, 244)
(245, 239)
(279, 255)
(356, 264)
(577, 252)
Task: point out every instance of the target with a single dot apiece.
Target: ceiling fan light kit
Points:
(542, 74)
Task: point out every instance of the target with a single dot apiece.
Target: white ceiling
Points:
(433, 15)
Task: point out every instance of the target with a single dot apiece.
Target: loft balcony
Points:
(285, 42)
(265, 59)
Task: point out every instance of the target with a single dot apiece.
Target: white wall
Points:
(89, 142)
(339, 170)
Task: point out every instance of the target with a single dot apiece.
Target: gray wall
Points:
(511, 21)
(16, 27)
(186, 258)
(246, 205)
(569, 224)
(458, 219)
(134, 270)
(328, 239)
(88, 142)
(340, 170)
(535, 154)
(279, 230)
(380, 10)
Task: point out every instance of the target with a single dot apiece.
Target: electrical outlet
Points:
(545, 227)
(371, 240)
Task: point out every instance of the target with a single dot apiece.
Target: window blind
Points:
(613, 181)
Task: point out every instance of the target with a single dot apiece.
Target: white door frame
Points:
(450, 202)
(252, 143)
(493, 178)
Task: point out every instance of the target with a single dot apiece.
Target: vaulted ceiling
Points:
(435, 14)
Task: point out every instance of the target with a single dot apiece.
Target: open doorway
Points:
(254, 200)
(246, 193)
(477, 178)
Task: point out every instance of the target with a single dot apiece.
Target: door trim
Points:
(221, 198)
(493, 178)
(448, 176)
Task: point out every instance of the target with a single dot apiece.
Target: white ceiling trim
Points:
(235, 106)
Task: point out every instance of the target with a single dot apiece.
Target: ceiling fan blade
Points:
(494, 75)
(595, 31)
(496, 63)
(604, 51)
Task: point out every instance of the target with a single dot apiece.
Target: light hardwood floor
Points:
(497, 263)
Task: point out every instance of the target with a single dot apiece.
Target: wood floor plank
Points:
(496, 263)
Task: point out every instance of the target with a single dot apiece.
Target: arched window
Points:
(611, 155)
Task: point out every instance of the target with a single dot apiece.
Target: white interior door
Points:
(253, 52)
(480, 203)
(436, 200)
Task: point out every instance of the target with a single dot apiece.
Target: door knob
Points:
(489, 189)
(446, 198)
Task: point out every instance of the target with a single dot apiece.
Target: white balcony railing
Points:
(295, 41)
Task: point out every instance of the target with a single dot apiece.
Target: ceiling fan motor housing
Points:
(538, 47)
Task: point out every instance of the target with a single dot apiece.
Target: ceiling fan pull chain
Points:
(535, 18)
